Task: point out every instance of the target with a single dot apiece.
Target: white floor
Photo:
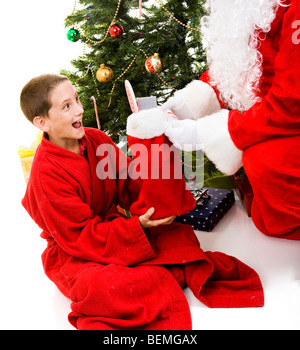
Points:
(29, 301)
(276, 261)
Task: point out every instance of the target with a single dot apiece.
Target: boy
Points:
(120, 273)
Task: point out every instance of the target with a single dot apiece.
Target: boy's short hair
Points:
(35, 96)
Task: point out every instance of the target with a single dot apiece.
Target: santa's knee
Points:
(274, 212)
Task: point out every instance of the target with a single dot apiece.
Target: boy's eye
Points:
(66, 106)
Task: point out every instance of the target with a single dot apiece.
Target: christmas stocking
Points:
(158, 164)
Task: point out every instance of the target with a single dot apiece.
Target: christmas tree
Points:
(119, 37)
(122, 35)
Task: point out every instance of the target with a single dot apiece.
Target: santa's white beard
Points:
(235, 64)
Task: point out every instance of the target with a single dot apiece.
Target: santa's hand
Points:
(178, 106)
(146, 222)
(183, 135)
(195, 101)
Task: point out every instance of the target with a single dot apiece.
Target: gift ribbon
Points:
(140, 8)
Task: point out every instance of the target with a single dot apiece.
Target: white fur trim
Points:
(212, 132)
(200, 98)
(148, 123)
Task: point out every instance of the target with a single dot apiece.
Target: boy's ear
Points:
(41, 123)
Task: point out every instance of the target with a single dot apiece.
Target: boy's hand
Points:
(147, 223)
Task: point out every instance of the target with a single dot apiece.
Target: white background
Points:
(33, 42)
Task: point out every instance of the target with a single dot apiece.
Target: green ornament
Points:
(73, 35)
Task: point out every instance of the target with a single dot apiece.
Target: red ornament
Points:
(116, 31)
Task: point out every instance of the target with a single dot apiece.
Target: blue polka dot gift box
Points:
(209, 211)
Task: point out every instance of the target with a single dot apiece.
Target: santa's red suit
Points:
(245, 111)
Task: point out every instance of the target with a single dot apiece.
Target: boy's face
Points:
(64, 121)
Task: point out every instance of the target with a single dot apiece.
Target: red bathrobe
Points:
(269, 132)
(117, 275)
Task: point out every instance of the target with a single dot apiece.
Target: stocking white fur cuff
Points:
(200, 98)
(214, 135)
(148, 123)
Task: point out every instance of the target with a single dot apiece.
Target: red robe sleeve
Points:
(278, 114)
(128, 188)
(83, 234)
(66, 206)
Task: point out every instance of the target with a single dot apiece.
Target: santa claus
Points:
(245, 111)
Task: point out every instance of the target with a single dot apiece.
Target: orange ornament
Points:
(154, 64)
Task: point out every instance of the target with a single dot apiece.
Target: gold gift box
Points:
(27, 155)
(26, 165)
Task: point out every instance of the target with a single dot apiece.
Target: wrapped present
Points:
(26, 155)
(245, 191)
(209, 210)
(26, 166)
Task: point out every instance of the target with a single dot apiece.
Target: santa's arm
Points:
(225, 134)
(195, 101)
(210, 134)
(278, 114)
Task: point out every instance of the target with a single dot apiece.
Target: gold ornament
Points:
(104, 74)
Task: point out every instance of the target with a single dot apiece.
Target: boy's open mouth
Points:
(77, 125)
